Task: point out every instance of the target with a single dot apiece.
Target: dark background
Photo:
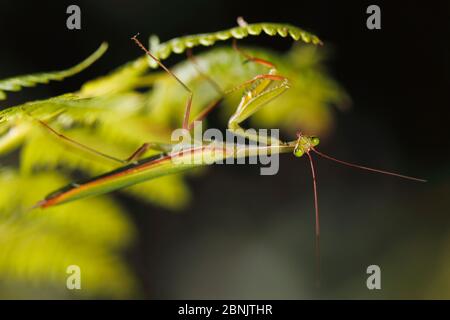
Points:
(248, 236)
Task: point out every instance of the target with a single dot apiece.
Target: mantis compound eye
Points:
(315, 141)
(298, 151)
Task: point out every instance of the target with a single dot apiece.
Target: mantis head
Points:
(305, 144)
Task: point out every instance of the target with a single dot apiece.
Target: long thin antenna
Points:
(367, 168)
(316, 206)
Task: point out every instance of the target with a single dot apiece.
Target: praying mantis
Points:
(261, 90)
(258, 91)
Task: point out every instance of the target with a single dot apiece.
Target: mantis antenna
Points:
(306, 144)
(367, 168)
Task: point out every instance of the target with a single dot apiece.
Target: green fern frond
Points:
(181, 44)
(30, 80)
(63, 111)
(125, 78)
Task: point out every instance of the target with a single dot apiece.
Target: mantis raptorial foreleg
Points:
(251, 102)
(257, 97)
(270, 76)
(260, 94)
(202, 115)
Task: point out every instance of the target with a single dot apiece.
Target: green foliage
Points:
(37, 246)
(115, 114)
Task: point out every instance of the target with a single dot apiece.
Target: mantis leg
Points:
(255, 137)
(211, 81)
(189, 91)
(210, 107)
(250, 58)
(254, 100)
(132, 158)
(267, 140)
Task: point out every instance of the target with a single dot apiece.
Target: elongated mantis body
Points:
(261, 93)
(260, 90)
(154, 167)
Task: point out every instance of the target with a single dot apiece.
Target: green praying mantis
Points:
(258, 91)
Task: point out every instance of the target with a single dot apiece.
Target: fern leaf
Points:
(64, 111)
(181, 44)
(30, 80)
(123, 79)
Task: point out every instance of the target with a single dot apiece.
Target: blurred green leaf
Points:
(38, 246)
